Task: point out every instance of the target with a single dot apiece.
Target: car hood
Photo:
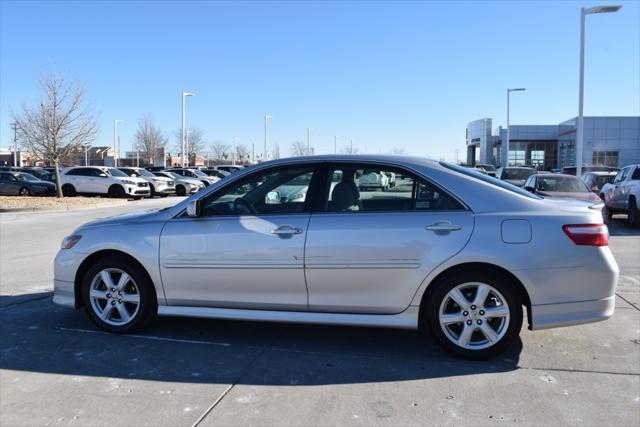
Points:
(43, 183)
(130, 178)
(161, 178)
(191, 181)
(127, 218)
(587, 197)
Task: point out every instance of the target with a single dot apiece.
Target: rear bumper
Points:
(571, 313)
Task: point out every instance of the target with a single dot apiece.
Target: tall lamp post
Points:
(309, 141)
(233, 153)
(335, 144)
(266, 120)
(580, 125)
(518, 89)
(86, 154)
(186, 146)
(116, 148)
(184, 120)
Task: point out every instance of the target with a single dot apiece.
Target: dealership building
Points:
(611, 141)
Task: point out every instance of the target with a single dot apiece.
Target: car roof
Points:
(601, 173)
(557, 175)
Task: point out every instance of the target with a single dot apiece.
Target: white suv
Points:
(158, 185)
(102, 180)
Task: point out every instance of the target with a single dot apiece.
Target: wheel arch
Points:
(114, 185)
(88, 261)
(522, 291)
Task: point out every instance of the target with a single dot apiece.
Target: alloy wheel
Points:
(474, 316)
(114, 296)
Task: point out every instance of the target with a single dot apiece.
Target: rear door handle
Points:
(286, 230)
(443, 226)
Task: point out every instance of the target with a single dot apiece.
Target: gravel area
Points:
(15, 203)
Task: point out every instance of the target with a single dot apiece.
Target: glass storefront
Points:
(539, 154)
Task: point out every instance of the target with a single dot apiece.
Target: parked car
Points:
(184, 185)
(560, 186)
(24, 184)
(196, 174)
(373, 180)
(218, 173)
(228, 168)
(516, 175)
(596, 180)
(158, 185)
(101, 180)
(623, 195)
(35, 171)
(453, 250)
(489, 169)
(571, 170)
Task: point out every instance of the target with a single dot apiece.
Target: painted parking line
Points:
(148, 337)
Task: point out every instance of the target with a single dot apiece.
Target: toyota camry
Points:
(446, 249)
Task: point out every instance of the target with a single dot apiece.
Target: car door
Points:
(369, 250)
(246, 249)
(8, 184)
(617, 193)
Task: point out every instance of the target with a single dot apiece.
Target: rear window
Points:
(491, 180)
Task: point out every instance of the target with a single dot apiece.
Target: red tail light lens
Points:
(588, 234)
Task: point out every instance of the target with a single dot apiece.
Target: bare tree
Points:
(397, 151)
(275, 151)
(60, 125)
(149, 139)
(242, 153)
(220, 150)
(194, 140)
(298, 148)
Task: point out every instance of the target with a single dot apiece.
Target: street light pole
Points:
(184, 119)
(233, 153)
(580, 125)
(335, 144)
(116, 147)
(264, 154)
(518, 89)
(15, 144)
(308, 141)
(186, 148)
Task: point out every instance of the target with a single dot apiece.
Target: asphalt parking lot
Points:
(56, 368)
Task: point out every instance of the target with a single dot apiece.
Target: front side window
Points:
(375, 188)
(281, 191)
(79, 172)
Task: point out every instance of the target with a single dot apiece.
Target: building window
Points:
(606, 158)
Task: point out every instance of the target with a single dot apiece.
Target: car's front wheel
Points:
(474, 314)
(118, 296)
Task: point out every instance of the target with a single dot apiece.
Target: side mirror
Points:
(272, 198)
(193, 209)
(530, 189)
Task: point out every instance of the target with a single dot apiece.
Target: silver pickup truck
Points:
(623, 195)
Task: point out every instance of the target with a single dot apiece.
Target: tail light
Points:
(588, 234)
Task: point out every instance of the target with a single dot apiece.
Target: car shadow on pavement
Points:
(618, 226)
(39, 337)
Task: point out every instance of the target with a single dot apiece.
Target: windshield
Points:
(517, 173)
(200, 173)
(144, 172)
(115, 172)
(487, 178)
(26, 177)
(489, 168)
(174, 175)
(561, 184)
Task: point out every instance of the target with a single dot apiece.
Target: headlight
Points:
(70, 241)
(126, 181)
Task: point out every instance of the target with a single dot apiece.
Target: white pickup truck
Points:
(623, 195)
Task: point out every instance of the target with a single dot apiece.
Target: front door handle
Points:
(286, 230)
(443, 226)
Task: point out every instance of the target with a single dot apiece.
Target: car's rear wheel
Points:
(474, 314)
(24, 191)
(116, 192)
(118, 296)
(69, 190)
(180, 190)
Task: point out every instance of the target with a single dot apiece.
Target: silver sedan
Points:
(296, 240)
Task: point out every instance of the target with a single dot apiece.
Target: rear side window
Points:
(636, 174)
(491, 180)
(360, 188)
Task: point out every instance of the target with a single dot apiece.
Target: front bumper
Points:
(134, 190)
(64, 293)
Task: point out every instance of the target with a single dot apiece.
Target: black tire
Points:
(502, 283)
(152, 191)
(633, 216)
(69, 190)
(116, 191)
(24, 191)
(180, 190)
(148, 308)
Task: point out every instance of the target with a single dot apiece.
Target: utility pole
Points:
(335, 145)
(15, 144)
(308, 141)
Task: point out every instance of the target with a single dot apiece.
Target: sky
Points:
(403, 75)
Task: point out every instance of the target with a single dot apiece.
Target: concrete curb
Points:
(68, 207)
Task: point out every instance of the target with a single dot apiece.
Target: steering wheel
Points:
(240, 205)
